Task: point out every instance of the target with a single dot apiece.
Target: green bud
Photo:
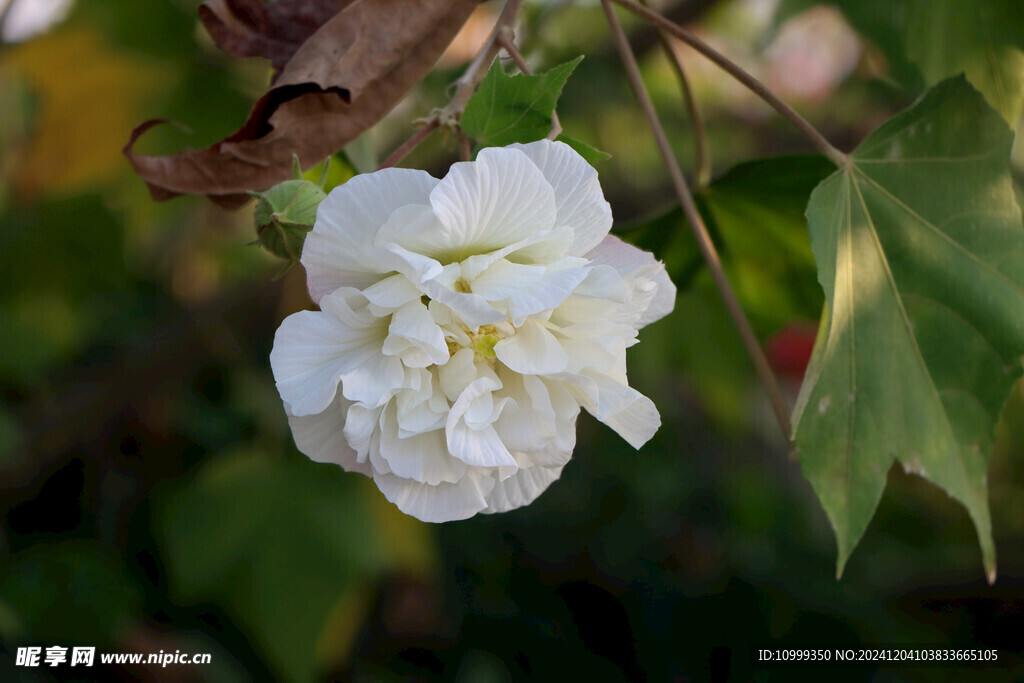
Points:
(285, 213)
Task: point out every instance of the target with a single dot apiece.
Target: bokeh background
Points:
(152, 498)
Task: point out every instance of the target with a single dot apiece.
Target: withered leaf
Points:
(256, 28)
(347, 76)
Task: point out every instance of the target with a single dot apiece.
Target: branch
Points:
(700, 133)
(465, 86)
(429, 126)
(737, 72)
(700, 231)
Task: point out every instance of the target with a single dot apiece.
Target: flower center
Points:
(482, 341)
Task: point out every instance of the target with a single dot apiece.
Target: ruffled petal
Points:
(439, 503)
(470, 434)
(527, 290)
(522, 488)
(414, 337)
(314, 350)
(580, 203)
(650, 293)
(532, 350)
(490, 203)
(390, 293)
(423, 457)
(631, 414)
(339, 251)
(322, 437)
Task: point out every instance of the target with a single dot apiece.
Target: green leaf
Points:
(75, 592)
(507, 109)
(920, 251)
(942, 38)
(754, 213)
(591, 154)
(980, 39)
(277, 544)
(757, 210)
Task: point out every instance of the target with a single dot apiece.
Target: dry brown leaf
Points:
(255, 28)
(343, 79)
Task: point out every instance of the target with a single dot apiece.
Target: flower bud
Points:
(285, 213)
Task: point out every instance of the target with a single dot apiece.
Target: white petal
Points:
(532, 350)
(631, 414)
(339, 250)
(423, 457)
(322, 438)
(540, 248)
(441, 503)
(416, 267)
(375, 380)
(471, 308)
(491, 203)
(361, 429)
(526, 289)
(479, 447)
(314, 350)
(602, 282)
(392, 292)
(415, 337)
(529, 424)
(415, 228)
(457, 374)
(650, 292)
(422, 410)
(579, 201)
(522, 488)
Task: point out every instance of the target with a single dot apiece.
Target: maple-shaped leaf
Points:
(920, 251)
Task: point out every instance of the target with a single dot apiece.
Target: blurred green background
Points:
(153, 498)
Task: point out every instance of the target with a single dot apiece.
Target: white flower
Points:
(463, 322)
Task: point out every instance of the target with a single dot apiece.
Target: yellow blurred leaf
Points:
(89, 97)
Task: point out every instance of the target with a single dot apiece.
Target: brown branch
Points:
(737, 72)
(700, 231)
(419, 136)
(468, 82)
(700, 133)
(465, 86)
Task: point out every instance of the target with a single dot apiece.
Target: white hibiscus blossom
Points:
(463, 322)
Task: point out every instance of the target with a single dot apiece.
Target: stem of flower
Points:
(700, 134)
(700, 231)
(419, 136)
(737, 72)
(509, 46)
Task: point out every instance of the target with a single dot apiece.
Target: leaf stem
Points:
(737, 72)
(700, 231)
(509, 46)
(419, 136)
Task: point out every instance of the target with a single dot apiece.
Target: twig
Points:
(465, 153)
(509, 46)
(700, 231)
(465, 86)
(737, 72)
(419, 136)
(468, 82)
(700, 133)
